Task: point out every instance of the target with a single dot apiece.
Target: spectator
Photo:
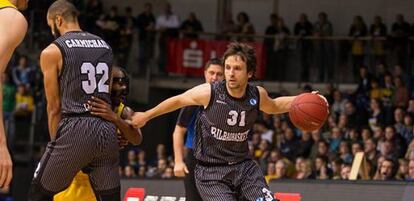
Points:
(335, 139)
(262, 153)
(141, 158)
(126, 37)
(402, 173)
(397, 141)
(141, 172)
(289, 144)
(266, 132)
(402, 94)
(321, 168)
(338, 105)
(269, 43)
(146, 37)
(161, 168)
(410, 171)
(336, 165)
(168, 173)
(244, 27)
(356, 147)
(378, 32)
(345, 171)
(191, 26)
(352, 135)
(406, 78)
(305, 170)
(323, 28)
(366, 133)
(355, 119)
(24, 102)
(370, 150)
(111, 25)
(129, 172)
(305, 145)
(344, 152)
(398, 120)
(386, 170)
(281, 50)
(303, 28)
(358, 30)
(22, 73)
(271, 172)
(227, 26)
(377, 116)
(132, 160)
(387, 150)
(281, 169)
(399, 32)
(406, 131)
(168, 24)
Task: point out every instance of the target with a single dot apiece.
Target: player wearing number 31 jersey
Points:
(76, 67)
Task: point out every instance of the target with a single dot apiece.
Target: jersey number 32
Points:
(90, 85)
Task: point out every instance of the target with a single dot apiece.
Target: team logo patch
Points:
(253, 101)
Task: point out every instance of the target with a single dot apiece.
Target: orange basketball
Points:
(308, 111)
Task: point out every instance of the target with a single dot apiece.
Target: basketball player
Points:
(81, 189)
(10, 37)
(186, 125)
(76, 67)
(224, 169)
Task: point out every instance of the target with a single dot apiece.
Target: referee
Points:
(213, 71)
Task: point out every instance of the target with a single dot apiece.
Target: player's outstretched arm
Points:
(199, 95)
(274, 106)
(50, 63)
(180, 168)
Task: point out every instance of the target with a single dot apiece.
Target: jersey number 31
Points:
(90, 85)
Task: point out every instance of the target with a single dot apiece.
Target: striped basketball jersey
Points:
(223, 126)
(6, 3)
(87, 64)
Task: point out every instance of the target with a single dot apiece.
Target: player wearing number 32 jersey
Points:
(76, 67)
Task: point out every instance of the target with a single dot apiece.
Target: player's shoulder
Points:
(51, 51)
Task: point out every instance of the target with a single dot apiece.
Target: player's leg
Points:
(10, 38)
(104, 175)
(215, 183)
(252, 184)
(191, 192)
(63, 158)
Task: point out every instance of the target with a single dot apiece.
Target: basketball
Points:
(308, 112)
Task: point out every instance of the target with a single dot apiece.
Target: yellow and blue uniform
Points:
(80, 188)
(5, 4)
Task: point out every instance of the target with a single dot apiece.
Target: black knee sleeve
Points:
(37, 193)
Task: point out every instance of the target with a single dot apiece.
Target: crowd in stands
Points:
(376, 118)
(118, 27)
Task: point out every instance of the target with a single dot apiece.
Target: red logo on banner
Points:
(187, 57)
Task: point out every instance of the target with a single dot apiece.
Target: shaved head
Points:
(63, 8)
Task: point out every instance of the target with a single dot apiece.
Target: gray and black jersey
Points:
(223, 126)
(87, 64)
